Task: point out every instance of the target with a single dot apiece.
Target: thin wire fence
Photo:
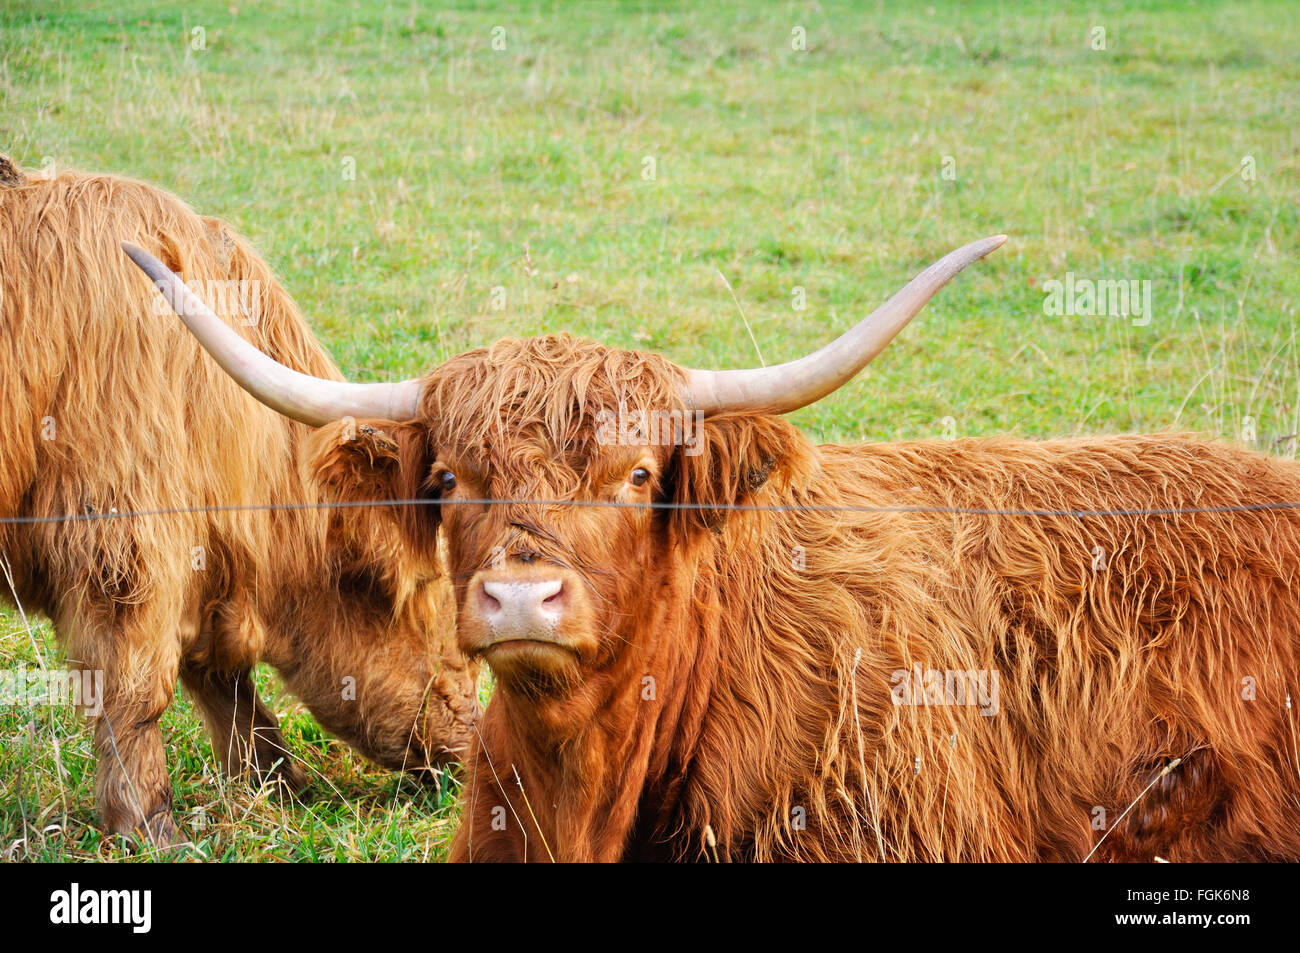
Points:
(820, 508)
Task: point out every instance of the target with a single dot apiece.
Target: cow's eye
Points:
(638, 476)
(447, 481)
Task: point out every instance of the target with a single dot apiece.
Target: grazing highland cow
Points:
(111, 408)
(739, 645)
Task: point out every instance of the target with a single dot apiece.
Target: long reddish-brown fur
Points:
(109, 404)
(741, 704)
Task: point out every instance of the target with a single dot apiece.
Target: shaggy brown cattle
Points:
(109, 405)
(734, 644)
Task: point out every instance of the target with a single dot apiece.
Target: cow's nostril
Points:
(556, 599)
(490, 604)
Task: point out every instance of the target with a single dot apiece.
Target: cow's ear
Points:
(360, 461)
(723, 463)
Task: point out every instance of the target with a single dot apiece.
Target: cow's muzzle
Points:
(526, 616)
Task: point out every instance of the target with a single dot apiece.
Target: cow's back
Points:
(111, 405)
(1135, 596)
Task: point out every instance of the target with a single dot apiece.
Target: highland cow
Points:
(742, 646)
(111, 410)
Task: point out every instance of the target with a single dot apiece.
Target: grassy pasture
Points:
(683, 179)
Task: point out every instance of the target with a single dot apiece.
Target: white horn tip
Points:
(973, 252)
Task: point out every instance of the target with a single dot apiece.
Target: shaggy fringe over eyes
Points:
(542, 392)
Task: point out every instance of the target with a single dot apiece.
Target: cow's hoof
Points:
(160, 831)
(157, 835)
(285, 775)
(292, 776)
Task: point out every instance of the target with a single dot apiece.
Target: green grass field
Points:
(664, 177)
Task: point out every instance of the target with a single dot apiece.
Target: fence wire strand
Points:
(819, 508)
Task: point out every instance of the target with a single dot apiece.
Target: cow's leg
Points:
(131, 785)
(132, 788)
(130, 653)
(245, 734)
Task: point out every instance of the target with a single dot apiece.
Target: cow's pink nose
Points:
(523, 609)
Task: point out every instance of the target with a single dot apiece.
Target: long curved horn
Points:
(786, 387)
(310, 400)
